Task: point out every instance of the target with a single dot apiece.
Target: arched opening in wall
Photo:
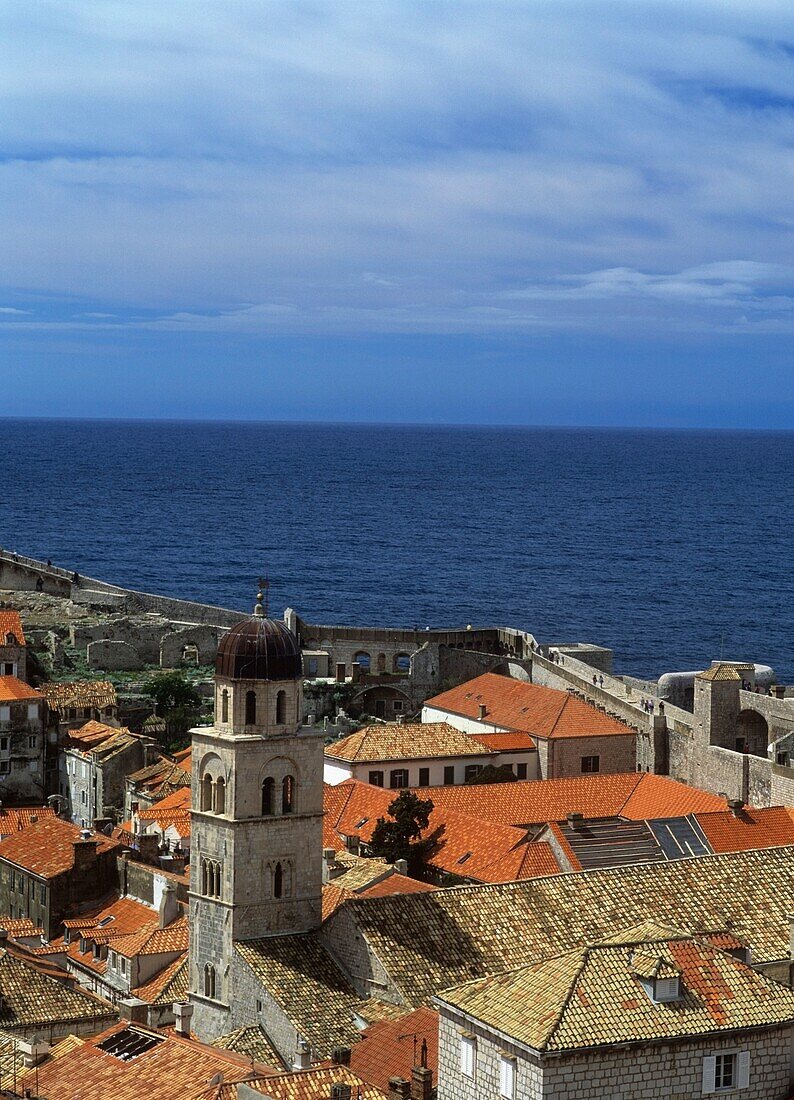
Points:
(224, 705)
(752, 733)
(363, 659)
(190, 655)
(402, 662)
(209, 981)
(216, 880)
(287, 794)
(381, 662)
(206, 793)
(278, 881)
(250, 708)
(268, 786)
(220, 796)
(281, 708)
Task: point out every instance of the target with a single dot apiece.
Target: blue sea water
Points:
(672, 547)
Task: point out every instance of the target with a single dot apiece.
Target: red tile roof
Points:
(154, 940)
(46, 848)
(633, 795)
(725, 831)
(391, 1048)
(396, 884)
(516, 705)
(514, 741)
(15, 818)
(13, 690)
(10, 623)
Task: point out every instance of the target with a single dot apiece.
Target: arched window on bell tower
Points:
(224, 705)
(206, 793)
(268, 791)
(278, 881)
(219, 806)
(281, 708)
(209, 981)
(250, 708)
(287, 794)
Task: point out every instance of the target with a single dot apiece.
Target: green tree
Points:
(178, 703)
(401, 838)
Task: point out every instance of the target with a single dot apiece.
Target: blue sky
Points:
(544, 213)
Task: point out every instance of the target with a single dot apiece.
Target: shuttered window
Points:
(507, 1077)
(468, 1049)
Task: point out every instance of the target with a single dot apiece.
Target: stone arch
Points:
(281, 708)
(402, 662)
(752, 733)
(268, 796)
(209, 981)
(219, 798)
(278, 880)
(211, 772)
(288, 794)
(363, 659)
(225, 705)
(250, 708)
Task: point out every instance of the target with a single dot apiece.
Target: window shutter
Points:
(744, 1069)
(507, 1068)
(709, 1073)
(467, 1055)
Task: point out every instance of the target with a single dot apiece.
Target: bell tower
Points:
(257, 809)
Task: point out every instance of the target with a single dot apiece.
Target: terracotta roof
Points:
(633, 795)
(23, 926)
(10, 623)
(184, 758)
(167, 1067)
(168, 985)
(516, 705)
(300, 975)
(13, 690)
(594, 996)
(462, 845)
(375, 744)
(163, 776)
(120, 916)
(46, 848)
(100, 740)
(15, 818)
(514, 741)
(253, 1042)
(765, 828)
(79, 693)
(428, 942)
(307, 1084)
(36, 995)
(154, 940)
(397, 884)
(719, 672)
(391, 1048)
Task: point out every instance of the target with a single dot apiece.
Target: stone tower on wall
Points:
(257, 807)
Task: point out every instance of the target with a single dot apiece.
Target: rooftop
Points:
(594, 996)
(38, 994)
(392, 1048)
(13, 690)
(79, 693)
(47, 847)
(428, 942)
(308, 1084)
(719, 672)
(517, 705)
(375, 744)
(748, 828)
(11, 632)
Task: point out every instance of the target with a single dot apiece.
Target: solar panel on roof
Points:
(678, 838)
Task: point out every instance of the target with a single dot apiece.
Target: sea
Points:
(671, 547)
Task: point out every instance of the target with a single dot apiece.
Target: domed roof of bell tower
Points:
(259, 648)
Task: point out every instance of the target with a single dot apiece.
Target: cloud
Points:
(13, 310)
(399, 166)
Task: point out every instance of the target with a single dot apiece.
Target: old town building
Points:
(13, 647)
(23, 741)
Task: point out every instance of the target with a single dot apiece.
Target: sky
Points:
(459, 212)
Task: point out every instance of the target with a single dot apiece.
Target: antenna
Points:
(264, 588)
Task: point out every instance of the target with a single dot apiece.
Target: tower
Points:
(257, 806)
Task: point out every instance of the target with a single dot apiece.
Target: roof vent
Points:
(85, 834)
(735, 805)
(483, 711)
(576, 821)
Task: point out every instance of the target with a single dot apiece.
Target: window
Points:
(471, 771)
(4, 744)
(398, 778)
(123, 965)
(380, 708)
(376, 779)
(507, 1076)
(281, 708)
(278, 881)
(402, 663)
(449, 775)
(741, 744)
(468, 1051)
(590, 763)
(725, 1071)
(4, 767)
(224, 705)
(268, 786)
(521, 771)
(287, 794)
(397, 706)
(209, 981)
(667, 989)
(32, 742)
(362, 659)
(82, 797)
(220, 796)
(258, 1006)
(250, 708)
(424, 777)
(211, 878)
(782, 759)
(311, 666)
(206, 793)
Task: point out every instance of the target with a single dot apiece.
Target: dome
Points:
(259, 649)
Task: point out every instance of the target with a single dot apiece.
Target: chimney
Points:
(183, 1012)
(132, 1009)
(149, 848)
(401, 866)
(84, 851)
(341, 1056)
(422, 1080)
(340, 1091)
(575, 821)
(33, 1051)
(483, 711)
(735, 805)
(169, 907)
(303, 1056)
(331, 868)
(399, 1088)
(352, 843)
